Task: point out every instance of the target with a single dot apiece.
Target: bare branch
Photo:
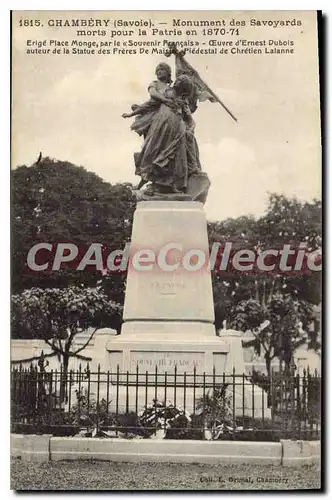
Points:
(53, 346)
(34, 358)
(261, 341)
(79, 356)
(87, 342)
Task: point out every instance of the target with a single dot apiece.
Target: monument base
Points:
(181, 368)
(169, 351)
(168, 347)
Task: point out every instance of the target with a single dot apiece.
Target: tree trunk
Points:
(263, 302)
(268, 365)
(268, 371)
(63, 381)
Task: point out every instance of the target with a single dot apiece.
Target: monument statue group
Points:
(169, 159)
(169, 313)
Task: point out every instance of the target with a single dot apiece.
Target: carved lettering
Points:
(183, 361)
(168, 286)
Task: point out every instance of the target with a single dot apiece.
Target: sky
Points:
(69, 107)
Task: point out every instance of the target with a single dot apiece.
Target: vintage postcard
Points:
(166, 250)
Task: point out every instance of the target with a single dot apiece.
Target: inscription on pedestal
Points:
(169, 291)
(167, 361)
(167, 288)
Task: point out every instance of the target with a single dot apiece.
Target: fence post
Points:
(272, 394)
(127, 391)
(194, 391)
(146, 388)
(214, 399)
(304, 401)
(69, 388)
(136, 393)
(88, 374)
(61, 395)
(155, 399)
(165, 392)
(98, 392)
(224, 399)
(292, 389)
(309, 391)
(298, 404)
(117, 391)
(204, 416)
(243, 400)
(79, 392)
(108, 392)
(185, 390)
(252, 401)
(234, 397)
(175, 382)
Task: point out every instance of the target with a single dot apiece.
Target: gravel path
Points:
(114, 476)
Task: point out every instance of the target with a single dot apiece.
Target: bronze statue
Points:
(169, 158)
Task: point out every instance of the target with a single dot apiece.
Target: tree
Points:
(279, 328)
(230, 287)
(244, 300)
(287, 221)
(55, 201)
(57, 314)
(290, 221)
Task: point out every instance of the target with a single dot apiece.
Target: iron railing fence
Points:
(181, 405)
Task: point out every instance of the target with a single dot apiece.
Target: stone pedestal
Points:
(168, 311)
(169, 229)
(169, 314)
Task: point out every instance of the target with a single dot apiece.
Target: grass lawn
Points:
(90, 475)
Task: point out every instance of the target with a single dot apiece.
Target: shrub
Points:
(89, 414)
(215, 410)
(164, 419)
